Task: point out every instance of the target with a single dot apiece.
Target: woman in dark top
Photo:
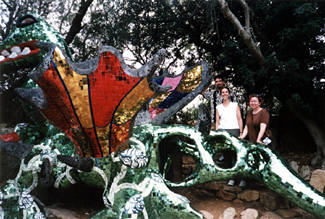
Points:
(257, 121)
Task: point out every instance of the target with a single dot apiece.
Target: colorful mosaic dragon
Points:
(105, 140)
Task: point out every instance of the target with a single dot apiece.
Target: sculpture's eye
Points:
(224, 154)
(178, 158)
(26, 21)
(225, 158)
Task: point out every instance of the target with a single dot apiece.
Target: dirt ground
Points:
(83, 203)
(216, 207)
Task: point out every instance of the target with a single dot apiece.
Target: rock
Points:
(269, 200)
(249, 195)
(60, 213)
(232, 188)
(207, 214)
(287, 213)
(229, 213)
(270, 215)
(206, 193)
(188, 160)
(284, 203)
(249, 213)
(294, 165)
(303, 214)
(212, 186)
(238, 201)
(317, 179)
(305, 172)
(187, 169)
(225, 195)
(188, 165)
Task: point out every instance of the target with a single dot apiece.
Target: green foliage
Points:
(287, 32)
(185, 117)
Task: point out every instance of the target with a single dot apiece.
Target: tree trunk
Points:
(317, 134)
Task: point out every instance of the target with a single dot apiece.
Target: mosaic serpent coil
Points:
(102, 137)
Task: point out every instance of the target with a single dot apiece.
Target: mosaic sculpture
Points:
(95, 105)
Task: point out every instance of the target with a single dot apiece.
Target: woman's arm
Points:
(217, 119)
(245, 132)
(239, 119)
(261, 133)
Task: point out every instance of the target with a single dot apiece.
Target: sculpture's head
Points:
(19, 52)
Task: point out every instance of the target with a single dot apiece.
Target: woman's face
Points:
(254, 103)
(224, 93)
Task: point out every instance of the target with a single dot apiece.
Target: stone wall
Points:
(255, 194)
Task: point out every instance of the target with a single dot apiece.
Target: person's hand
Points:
(259, 141)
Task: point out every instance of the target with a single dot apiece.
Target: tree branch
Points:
(8, 5)
(66, 15)
(244, 33)
(12, 11)
(247, 16)
(76, 22)
(136, 54)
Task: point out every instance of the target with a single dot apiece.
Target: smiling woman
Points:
(257, 120)
(228, 115)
